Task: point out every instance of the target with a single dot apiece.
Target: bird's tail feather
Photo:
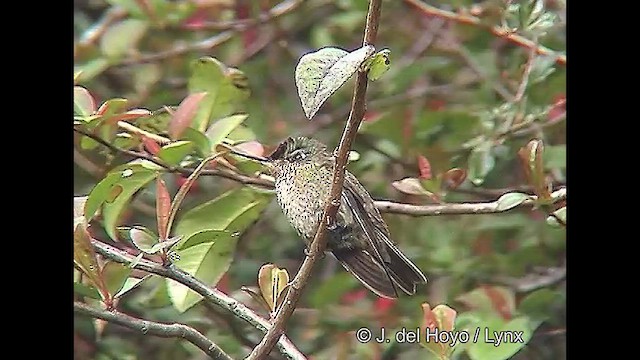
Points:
(401, 272)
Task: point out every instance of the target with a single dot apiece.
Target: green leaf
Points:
(411, 186)
(122, 37)
(510, 200)
(561, 214)
(225, 88)
(481, 161)
(128, 178)
(142, 238)
(202, 237)
(115, 274)
(232, 211)
(83, 102)
(540, 304)
(91, 69)
(555, 157)
(200, 140)
(219, 130)
(207, 261)
(130, 284)
(173, 153)
(378, 64)
(531, 157)
(319, 74)
(487, 346)
(86, 290)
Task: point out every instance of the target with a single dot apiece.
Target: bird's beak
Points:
(262, 160)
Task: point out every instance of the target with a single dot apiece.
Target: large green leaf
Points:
(225, 88)
(116, 189)
(173, 153)
(122, 37)
(320, 74)
(115, 274)
(232, 211)
(207, 261)
(223, 127)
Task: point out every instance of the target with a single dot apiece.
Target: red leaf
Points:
(196, 21)
(382, 305)
(151, 145)
(428, 319)
(558, 110)
(181, 180)
(251, 148)
(130, 115)
(436, 104)
(371, 116)
(453, 178)
(163, 205)
(354, 296)
(498, 301)
(184, 114)
(424, 167)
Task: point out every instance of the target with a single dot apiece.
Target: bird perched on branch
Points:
(359, 239)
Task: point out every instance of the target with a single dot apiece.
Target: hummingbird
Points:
(359, 239)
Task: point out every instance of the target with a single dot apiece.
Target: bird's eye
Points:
(297, 155)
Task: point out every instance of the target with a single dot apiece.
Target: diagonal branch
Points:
(320, 240)
(154, 328)
(215, 296)
(495, 30)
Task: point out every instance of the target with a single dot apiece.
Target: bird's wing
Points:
(354, 200)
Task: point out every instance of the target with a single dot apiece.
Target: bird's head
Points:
(298, 151)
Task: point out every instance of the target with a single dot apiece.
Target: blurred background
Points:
(455, 108)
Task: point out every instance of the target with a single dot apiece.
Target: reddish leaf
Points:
(353, 297)
(424, 167)
(181, 180)
(428, 317)
(151, 145)
(499, 301)
(184, 114)
(130, 115)
(196, 21)
(163, 205)
(251, 148)
(383, 305)
(112, 106)
(436, 104)
(558, 109)
(453, 178)
(371, 116)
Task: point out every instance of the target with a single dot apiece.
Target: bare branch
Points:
(154, 328)
(212, 295)
(495, 30)
(458, 208)
(320, 240)
(542, 277)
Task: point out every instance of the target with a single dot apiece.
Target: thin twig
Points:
(541, 278)
(479, 71)
(525, 77)
(459, 208)
(93, 34)
(212, 295)
(560, 59)
(278, 10)
(320, 240)
(155, 328)
(216, 40)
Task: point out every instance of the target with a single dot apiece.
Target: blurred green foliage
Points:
(456, 96)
